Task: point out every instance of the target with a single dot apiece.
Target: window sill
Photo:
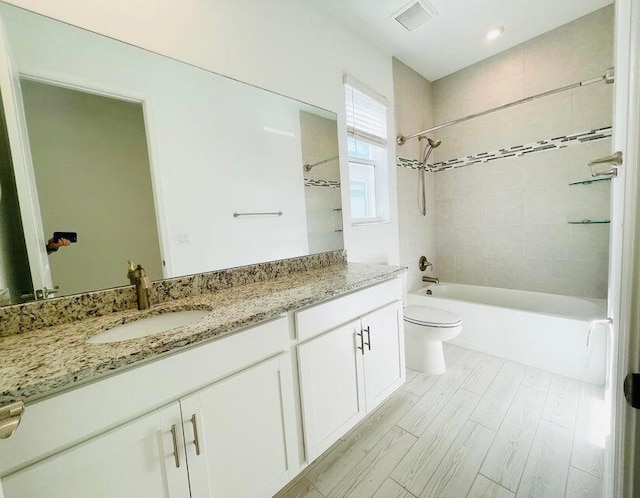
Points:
(369, 221)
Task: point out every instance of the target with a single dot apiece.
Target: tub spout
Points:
(432, 280)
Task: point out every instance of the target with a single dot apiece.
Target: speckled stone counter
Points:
(40, 362)
(40, 314)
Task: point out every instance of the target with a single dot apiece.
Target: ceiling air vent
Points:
(415, 13)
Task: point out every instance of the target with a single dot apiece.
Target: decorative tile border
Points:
(309, 182)
(409, 163)
(39, 314)
(515, 151)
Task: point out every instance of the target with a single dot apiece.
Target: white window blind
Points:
(366, 117)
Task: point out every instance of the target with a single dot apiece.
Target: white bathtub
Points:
(542, 330)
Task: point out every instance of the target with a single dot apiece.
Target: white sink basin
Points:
(154, 324)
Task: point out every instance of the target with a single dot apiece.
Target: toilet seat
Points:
(431, 317)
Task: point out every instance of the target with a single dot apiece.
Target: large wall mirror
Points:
(151, 160)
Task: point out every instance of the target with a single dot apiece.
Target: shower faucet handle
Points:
(423, 263)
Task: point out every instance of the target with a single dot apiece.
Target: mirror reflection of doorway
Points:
(15, 277)
(93, 177)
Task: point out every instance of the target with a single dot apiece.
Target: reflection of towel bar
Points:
(279, 213)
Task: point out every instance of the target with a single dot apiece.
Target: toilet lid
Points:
(434, 317)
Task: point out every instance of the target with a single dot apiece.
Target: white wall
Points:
(281, 45)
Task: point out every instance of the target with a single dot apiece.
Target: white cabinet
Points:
(219, 420)
(227, 440)
(137, 459)
(237, 433)
(384, 353)
(115, 438)
(331, 386)
(346, 372)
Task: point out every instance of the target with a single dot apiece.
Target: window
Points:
(367, 150)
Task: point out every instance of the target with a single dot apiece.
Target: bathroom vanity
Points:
(234, 404)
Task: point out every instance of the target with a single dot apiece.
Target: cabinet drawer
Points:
(313, 321)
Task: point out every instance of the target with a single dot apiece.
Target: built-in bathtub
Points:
(546, 331)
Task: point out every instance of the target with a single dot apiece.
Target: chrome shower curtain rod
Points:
(309, 167)
(607, 77)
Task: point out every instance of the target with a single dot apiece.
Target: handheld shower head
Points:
(432, 144)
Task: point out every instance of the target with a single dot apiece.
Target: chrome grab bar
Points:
(279, 213)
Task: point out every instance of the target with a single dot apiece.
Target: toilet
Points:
(425, 329)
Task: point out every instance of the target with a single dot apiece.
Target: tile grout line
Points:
(534, 437)
(313, 486)
(573, 435)
(365, 453)
(456, 437)
(573, 442)
(498, 430)
(573, 439)
(392, 479)
(494, 482)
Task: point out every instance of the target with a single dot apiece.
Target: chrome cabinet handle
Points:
(614, 159)
(10, 416)
(196, 441)
(361, 347)
(174, 438)
(368, 338)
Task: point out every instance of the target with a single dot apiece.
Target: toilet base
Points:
(424, 356)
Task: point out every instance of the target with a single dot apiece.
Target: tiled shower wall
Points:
(505, 223)
(413, 108)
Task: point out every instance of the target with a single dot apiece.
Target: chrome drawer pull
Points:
(368, 338)
(196, 441)
(174, 437)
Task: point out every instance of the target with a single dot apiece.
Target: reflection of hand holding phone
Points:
(70, 236)
(61, 239)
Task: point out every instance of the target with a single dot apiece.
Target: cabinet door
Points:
(243, 427)
(331, 386)
(136, 460)
(384, 353)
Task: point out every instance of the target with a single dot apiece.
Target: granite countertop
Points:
(41, 362)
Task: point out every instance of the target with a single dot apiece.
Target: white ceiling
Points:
(455, 38)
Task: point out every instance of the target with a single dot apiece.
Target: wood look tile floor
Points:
(488, 427)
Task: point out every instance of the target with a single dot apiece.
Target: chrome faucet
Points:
(138, 277)
(432, 280)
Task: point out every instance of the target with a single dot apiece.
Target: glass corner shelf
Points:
(589, 222)
(590, 180)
